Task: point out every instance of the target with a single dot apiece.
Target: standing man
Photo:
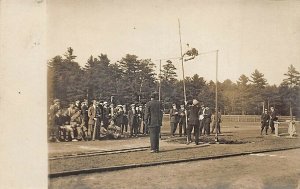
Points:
(201, 119)
(92, 118)
(182, 120)
(52, 112)
(84, 112)
(216, 122)
(273, 117)
(265, 118)
(207, 120)
(193, 122)
(133, 121)
(140, 114)
(173, 119)
(154, 114)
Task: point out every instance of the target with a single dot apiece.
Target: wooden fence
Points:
(245, 118)
(250, 118)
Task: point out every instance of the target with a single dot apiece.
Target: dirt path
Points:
(268, 170)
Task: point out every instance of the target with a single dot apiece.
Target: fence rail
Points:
(245, 118)
(250, 118)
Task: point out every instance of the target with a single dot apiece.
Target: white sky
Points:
(263, 35)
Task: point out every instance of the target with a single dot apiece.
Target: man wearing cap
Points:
(174, 118)
(154, 114)
(193, 122)
(265, 118)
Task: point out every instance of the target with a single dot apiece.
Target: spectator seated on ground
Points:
(77, 125)
(67, 129)
(113, 131)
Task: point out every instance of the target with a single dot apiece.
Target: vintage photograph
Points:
(165, 93)
(173, 94)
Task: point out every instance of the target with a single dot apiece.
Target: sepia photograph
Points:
(151, 94)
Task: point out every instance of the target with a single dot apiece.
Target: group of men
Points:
(267, 120)
(82, 122)
(199, 118)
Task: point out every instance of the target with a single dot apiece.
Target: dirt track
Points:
(268, 170)
(240, 138)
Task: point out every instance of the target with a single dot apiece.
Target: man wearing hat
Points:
(154, 114)
(193, 122)
(265, 118)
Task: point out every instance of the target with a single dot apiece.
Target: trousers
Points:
(154, 138)
(173, 127)
(196, 132)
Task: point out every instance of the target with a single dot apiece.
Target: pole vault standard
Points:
(183, 78)
(216, 111)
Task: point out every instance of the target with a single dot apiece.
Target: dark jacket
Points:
(84, 112)
(193, 115)
(154, 113)
(174, 118)
(265, 118)
(273, 116)
(181, 114)
(132, 118)
(119, 118)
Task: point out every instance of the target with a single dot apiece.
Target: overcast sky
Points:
(249, 35)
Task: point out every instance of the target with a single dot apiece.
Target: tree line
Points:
(131, 80)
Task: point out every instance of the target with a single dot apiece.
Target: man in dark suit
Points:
(154, 114)
(174, 118)
(265, 118)
(193, 122)
(207, 120)
(273, 117)
(84, 112)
